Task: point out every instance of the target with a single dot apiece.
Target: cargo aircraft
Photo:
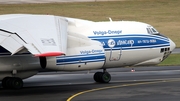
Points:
(31, 42)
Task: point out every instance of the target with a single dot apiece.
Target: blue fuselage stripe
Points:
(80, 59)
(128, 42)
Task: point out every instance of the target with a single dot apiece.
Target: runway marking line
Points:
(119, 86)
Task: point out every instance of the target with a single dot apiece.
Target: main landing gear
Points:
(12, 83)
(102, 77)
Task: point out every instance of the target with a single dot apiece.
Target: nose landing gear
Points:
(102, 77)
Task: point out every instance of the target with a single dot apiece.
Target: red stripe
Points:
(49, 54)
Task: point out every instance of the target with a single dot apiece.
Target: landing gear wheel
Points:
(106, 77)
(12, 82)
(97, 76)
(4, 82)
(16, 83)
(102, 77)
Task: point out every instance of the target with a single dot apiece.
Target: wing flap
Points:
(10, 43)
(62, 29)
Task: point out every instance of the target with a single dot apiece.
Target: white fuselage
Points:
(126, 43)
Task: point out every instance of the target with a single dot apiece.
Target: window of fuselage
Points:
(162, 50)
(152, 30)
(149, 31)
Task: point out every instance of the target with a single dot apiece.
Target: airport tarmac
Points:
(146, 83)
(176, 51)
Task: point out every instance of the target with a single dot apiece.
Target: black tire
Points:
(16, 83)
(106, 77)
(12, 83)
(98, 76)
(8, 82)
(4, 82)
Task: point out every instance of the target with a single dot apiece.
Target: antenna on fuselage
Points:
(110, 19)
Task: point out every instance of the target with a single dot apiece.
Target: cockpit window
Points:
(152, 30)
(149, 31)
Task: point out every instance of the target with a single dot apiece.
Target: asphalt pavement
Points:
(146, 83)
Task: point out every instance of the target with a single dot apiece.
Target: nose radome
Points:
(172, 45)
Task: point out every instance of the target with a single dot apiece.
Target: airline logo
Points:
(93, 51)
(111, 43)
(108, 32)
(125, 42)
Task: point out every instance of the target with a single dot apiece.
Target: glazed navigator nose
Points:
(172, 45)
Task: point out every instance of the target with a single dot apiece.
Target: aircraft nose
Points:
(172, 45)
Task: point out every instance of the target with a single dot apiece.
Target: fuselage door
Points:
(114, 54)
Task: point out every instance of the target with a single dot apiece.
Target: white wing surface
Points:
(41, 35)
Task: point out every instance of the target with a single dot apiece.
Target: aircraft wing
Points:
(41, 35)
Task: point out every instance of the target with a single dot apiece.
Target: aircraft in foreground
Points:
(29, 43)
